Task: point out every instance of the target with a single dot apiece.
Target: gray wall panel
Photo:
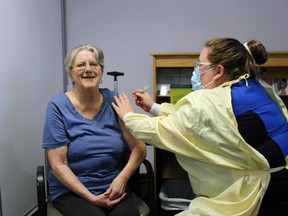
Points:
(31, 73)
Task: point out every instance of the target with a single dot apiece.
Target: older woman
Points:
(86, 143)
(230, 136)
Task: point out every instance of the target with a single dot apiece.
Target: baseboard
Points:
(32, 212)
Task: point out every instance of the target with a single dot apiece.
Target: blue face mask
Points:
(196, 79)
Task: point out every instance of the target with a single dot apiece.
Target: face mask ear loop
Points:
(208, 83)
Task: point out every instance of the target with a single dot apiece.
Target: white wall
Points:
(129, 30)
(31, 73)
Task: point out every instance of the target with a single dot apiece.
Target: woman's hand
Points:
(113, 195)
(143, 99)
(117, 188)
(122, 105)
(104, 201)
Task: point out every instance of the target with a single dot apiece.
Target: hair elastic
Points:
(249, 51)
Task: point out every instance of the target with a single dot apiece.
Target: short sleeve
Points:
(54, 133)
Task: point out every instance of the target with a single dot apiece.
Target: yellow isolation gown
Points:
(228, 176)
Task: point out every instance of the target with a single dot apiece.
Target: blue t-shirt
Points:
(260, 121)
(95, 147)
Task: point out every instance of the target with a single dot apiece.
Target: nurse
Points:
(230, 134)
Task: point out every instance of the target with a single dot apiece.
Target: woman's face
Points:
(86, 71)
(207, 73)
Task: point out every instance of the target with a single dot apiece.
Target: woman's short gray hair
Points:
(70, 57)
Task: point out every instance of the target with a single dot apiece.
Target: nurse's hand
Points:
(122, 105)
(143, 99)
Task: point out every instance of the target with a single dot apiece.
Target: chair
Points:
(142, 185)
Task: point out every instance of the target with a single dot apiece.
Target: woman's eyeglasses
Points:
(198, 63)
(83, 65)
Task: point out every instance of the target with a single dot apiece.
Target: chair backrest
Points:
(41, 191)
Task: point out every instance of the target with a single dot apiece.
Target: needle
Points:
(144, 88)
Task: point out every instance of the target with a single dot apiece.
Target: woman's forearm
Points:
(65, 175)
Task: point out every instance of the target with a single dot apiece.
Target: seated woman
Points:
(86, 143)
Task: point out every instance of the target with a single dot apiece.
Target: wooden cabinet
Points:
(175, 66)
(178, 67)
(276, 66)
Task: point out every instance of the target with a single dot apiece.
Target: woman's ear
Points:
(71, 77)
(220, 72)
(70, 74)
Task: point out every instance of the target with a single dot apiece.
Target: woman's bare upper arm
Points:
(57, 156)
(128, 137)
